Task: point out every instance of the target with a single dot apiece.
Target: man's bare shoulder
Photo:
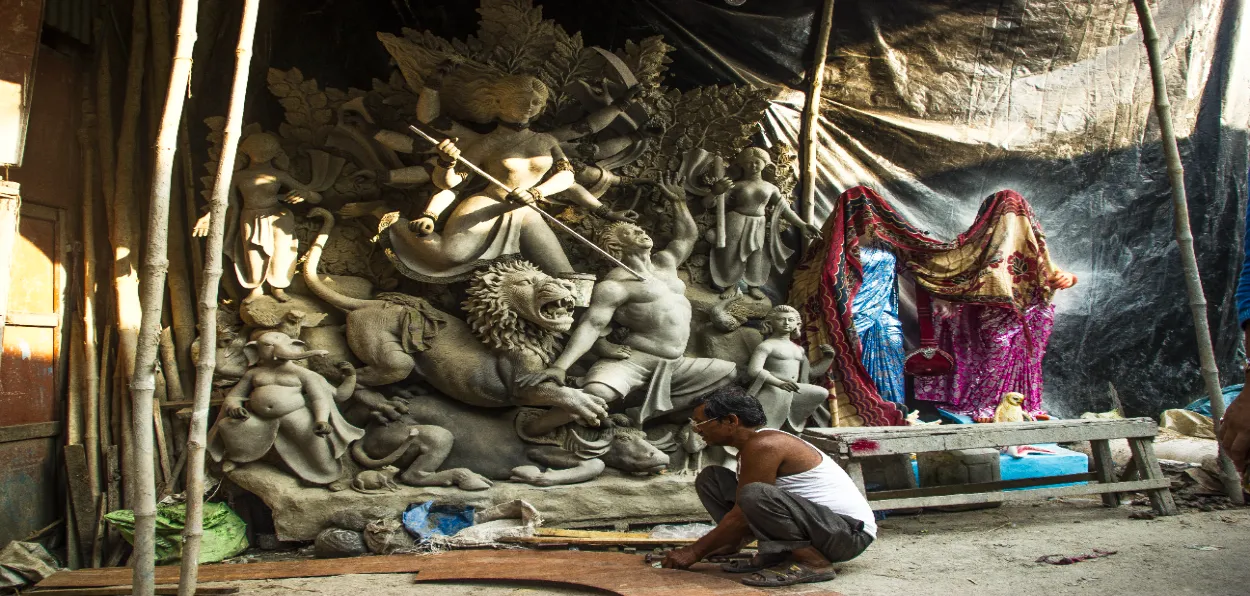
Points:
(771, 442)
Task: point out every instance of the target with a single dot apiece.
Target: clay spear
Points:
(551, 218)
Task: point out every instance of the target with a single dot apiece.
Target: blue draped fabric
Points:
(875, 314)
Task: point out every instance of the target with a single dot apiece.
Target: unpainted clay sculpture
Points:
(779, 373)
(288, 409)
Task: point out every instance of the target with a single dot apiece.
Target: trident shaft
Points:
(551, 218)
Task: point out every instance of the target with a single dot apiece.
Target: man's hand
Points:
(553, 374)
(672, 186)
(680, 558)
(1235, 431)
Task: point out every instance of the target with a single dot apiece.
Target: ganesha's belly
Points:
(275, 401)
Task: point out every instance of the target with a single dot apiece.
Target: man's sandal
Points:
(789, 574)
(752, 564)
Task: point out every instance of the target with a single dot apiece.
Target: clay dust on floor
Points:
(988, 552)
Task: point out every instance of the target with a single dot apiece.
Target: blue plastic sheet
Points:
(1203, 406)
(426, 520)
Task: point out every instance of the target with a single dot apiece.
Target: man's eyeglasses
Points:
(697, 423)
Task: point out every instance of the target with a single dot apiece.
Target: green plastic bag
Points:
(225, 534)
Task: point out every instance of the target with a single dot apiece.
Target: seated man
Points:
(804, 510)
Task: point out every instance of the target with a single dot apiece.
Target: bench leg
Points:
(855, 470)
(1144, 453)
(1104, 467)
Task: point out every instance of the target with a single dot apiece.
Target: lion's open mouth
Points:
(557, 311)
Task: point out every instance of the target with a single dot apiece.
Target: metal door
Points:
(31, 408)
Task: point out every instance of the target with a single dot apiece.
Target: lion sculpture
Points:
(517, 316)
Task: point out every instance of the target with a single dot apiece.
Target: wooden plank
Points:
(168, 574)
(894, 440)
(125, 591)
(588, 533)
(24, 432)
(616, 573)
(1104, 467)
(593, 541)
(1144, 452)
(1019, 495)
(976, 487)
(80, 498)
(32, 319)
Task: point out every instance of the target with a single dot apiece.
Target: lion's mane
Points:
(493, 319)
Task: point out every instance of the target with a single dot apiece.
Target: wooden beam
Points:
(81, 498)
(998, 485)
(871, 441)
(24, 432)
(1019, 495)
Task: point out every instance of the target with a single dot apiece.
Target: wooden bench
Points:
(850, 445)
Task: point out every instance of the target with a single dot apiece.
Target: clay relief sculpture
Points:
(746, 242)
(657, 314)
(263, 246)
(780, 373)
(288, 409)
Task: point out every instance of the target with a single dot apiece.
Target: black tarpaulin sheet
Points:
(937, 104)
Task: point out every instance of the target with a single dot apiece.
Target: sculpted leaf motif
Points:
(647, 59)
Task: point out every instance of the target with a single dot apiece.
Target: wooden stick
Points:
(143, 381)
(170, 365)
(73, 408)
(91, 371)
(810, 132)
(106, 392)
(194, 528)
(97, 544)
(1185, 241)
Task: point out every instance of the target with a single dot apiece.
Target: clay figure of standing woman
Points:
(749, 244)
(263, 246)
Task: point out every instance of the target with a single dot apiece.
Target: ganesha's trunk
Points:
(314, 282)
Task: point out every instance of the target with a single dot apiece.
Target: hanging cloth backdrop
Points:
(1001, 262)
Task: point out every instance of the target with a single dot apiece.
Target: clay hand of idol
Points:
(827, 350)
(422, 226)
(721, 186)
(322, 429)
(235, 409)
(553, 374)
(523, 196)
(201, 226)
(811, 231)
(790, 386)
(447, 150)
(299, 196)
(1061, 280)
(672, 186)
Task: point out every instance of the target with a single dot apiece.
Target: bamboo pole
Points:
(194, 529)
(810, 133)
(181, 312)
(143, 382)
(91, 371)
(1185, 241)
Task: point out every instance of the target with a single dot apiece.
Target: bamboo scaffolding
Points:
(194, 529)
(1185, 241)
(125, 223)
(810, 132)
(143, 381)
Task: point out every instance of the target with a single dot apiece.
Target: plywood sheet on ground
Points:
(120, 576)
(623, 574)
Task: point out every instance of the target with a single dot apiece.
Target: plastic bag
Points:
(426, 520)
(225, 534)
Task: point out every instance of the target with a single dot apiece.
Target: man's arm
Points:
(685, 232)
(1234, 432)
(759, 462)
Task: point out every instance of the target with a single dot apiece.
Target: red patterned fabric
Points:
(1000, 261)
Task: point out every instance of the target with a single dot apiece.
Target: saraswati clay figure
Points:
(779, 371)
(283, 407)
(657, 314)
(266, 249)
(748, 245)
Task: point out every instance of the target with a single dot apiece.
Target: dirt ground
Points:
(988, 552)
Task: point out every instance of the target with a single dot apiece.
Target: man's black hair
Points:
(732, 399)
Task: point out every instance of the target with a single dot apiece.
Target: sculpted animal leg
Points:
(574, 469)
(435, 443)
(394, 366)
